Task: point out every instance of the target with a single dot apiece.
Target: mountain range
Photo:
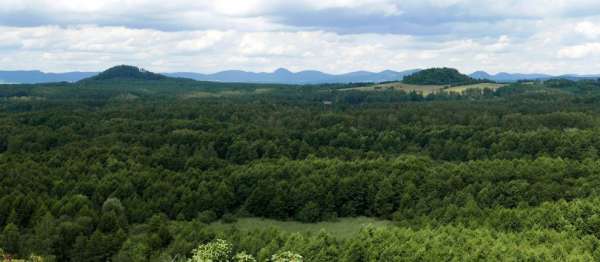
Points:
(35, 76)
(281, 75)
(508, 77)
(285, 76)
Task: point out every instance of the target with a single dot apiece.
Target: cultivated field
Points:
(424, 89)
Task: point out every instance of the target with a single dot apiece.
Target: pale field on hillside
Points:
(424, 89)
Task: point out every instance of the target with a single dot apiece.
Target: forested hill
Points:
(126, 72)
(439, 76)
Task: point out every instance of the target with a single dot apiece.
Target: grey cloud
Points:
(413, 17)
(333, 36)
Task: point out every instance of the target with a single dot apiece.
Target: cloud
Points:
(580, 51)
(556, 36)
(588, 29)
(342, 16)
(54, 48)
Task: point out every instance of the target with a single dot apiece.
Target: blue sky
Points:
(547, 36)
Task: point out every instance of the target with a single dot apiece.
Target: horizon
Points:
(296, 71)
(307, 130)
(329, 36)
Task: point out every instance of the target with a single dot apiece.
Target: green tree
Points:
(11, 239)
(287, 256)
(216, 251)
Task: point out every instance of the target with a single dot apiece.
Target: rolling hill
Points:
(279, 76)
(439, 76)
(126, 72)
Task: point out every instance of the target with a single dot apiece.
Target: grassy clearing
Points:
(199, 94)
(263, 90)
(424, 89)
(342, 228)
(460, 89)
(224, 93)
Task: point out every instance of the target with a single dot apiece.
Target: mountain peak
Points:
(438, 76)
(480, 75)
(127, 72)
(281, 71)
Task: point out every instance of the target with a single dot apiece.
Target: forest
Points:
(138, 167)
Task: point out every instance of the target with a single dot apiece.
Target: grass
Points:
(424, 89)
(342, 228)
(460, 89)
(199, 94)
(224, 93)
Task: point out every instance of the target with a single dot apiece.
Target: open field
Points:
(224, 93)
(424, 89)
(342, 228)
(461, 89)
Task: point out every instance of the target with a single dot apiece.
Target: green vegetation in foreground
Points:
(138, 167)
(342, 228)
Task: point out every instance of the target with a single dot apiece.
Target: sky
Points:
(334, 36)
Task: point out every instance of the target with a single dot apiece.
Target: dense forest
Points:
(133, 166)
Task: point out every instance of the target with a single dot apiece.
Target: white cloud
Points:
(502, 44)
(53, 48)
(556, 36)
(257, 15)
(580, 51)
(588, 29)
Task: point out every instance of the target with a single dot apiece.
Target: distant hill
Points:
(507, 77)
(438, 76)
(285, 76)
(282, 76)
(126, 72)
(34, 76)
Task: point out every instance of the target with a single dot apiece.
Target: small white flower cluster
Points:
(287, 256)
(220, 251)
(216, 251)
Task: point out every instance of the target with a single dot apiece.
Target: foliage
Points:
(286, 256)
(136, 170)
(216, 251)
(439, 76)
(243, 257)
(126, 72)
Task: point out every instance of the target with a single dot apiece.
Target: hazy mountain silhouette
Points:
(507, 77)
(285, 76)
(35, 76)
(281, 75)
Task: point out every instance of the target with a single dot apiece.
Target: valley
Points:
(130, 165)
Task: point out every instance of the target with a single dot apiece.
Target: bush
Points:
(228, 218)
(207, 216)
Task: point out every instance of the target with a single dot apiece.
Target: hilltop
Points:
(279, 76)
(126, 72)
(439, 76)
